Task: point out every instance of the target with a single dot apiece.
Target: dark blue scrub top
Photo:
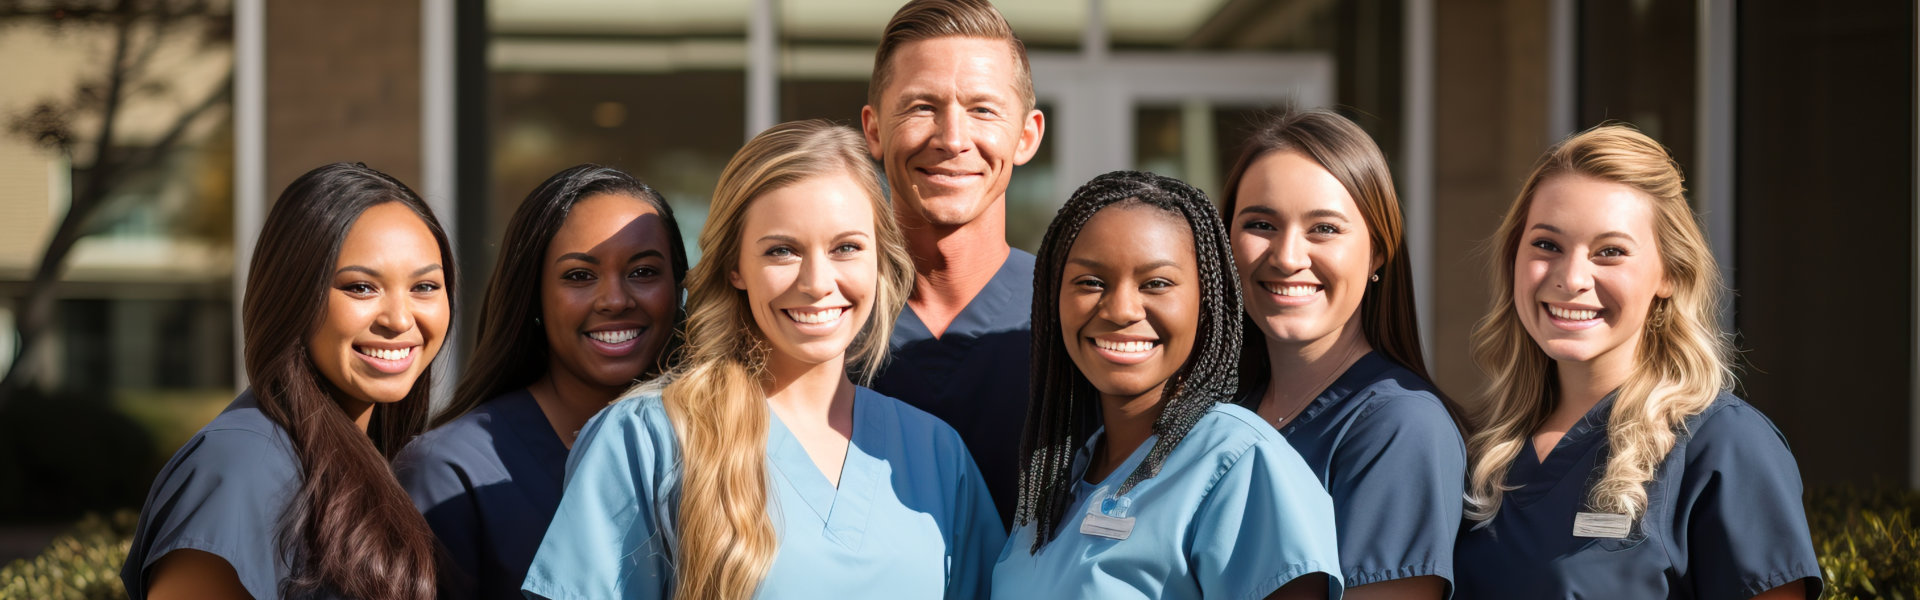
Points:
(974, 376)
(223, 493)
(1724, 519)
(1384, 446)
(488, 484)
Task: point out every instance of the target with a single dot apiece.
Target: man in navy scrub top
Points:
(949, 114)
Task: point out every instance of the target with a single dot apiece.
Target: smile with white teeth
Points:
(814, 317)
(614, 337)
(384, 353)
(1132, 347)
(1290, 290)
(1572, 315)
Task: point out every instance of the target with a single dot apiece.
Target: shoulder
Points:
(637, 423)
(912, 423)
(1730, 424)
(468, 436)
(243, 442)
(1400, 403)
(1229, 433)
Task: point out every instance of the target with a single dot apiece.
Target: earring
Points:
(1374, 278)
(1659, 317)
(536, 320)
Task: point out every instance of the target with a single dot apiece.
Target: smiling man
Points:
(950, 112)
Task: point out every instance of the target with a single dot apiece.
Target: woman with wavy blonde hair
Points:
(756, 467)
(1610, 458)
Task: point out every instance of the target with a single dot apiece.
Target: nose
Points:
(1122, 307)
(613, 297)
(951, 134)
(1573, 275)
(1289, 254)
(816, 277)
(396, 314)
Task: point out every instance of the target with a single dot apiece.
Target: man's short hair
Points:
(930, 19)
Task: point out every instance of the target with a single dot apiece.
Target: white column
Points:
(763, 66)
(249, 155)
(438, 109)
(1416, 193)
(1713, 171)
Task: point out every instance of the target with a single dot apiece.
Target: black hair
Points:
(1065, 407)
(511, 350)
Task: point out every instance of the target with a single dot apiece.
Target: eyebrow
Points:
(1094, 264)
(1318, 213)
(1604, 235)
(793, 240)
(376, 274)
(908, 97)
(592, 260)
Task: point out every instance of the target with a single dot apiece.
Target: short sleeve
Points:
(1397, 480)
(223, 494)
(978, 534)
(443, 493)
(1265, 522)
(1745, 526)
(606, 540)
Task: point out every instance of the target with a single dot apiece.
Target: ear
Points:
(1379, 260)
(870, 127)
(1666, 288)
(733, 277)
(1032, 129)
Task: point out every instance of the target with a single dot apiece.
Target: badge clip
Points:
(1107, 516)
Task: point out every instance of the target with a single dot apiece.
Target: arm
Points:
(1745, 527)
(604, 541)
(1792, 591)
(1430, 587)
(1266, 522)
(1312, 586)
(977, 532)
(1396, 480)
(194, 575)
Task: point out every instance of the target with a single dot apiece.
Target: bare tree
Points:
(104, 157)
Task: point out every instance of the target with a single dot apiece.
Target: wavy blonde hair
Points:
(1680, 366)
(716, 397)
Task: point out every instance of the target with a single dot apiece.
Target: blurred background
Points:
(144, 139)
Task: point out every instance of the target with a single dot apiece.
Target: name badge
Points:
(1601, 525)
(1107, 516)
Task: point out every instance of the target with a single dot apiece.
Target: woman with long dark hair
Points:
(1142, 478)
(288, 492)
(1332, 348)
(757, 467)
(1611, 458)
(583, 301)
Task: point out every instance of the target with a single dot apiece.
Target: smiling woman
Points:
(287, 493)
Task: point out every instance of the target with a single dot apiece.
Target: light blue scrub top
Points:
(910, 519)
(1234, 513)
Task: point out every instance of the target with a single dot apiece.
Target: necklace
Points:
(554, 390)
(1339, 368)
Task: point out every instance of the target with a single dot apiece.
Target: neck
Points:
(952, 264)
(1129, 422)
(1584, 384)
(569, 402)
(1304, 369)
(808, 390)
(359, 410)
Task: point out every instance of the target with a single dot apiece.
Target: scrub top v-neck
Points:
(1388, 453)
(910, 518)
(974, 376)
(1724, 519)
(1233, 513)
(488, 484)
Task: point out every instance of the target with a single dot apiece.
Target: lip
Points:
(1571, 324)
(615, 350)
(391, 367)
(1124, 358)
(1265, 286)
(947, 177)
(822, 328)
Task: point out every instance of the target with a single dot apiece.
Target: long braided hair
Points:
(1066, 407)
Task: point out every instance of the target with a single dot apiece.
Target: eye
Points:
(1546, 245)
(846, 248)
(1157, 283)
(1259, 225)
(1090, 284)
(780, 252)
(1611, 252)
(577, 275)
(359, 288)
(922, 107)
(984, 110)
(426, 287)
(644, 273)
(1324, 229)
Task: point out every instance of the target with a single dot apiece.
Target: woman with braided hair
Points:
(1141, 478)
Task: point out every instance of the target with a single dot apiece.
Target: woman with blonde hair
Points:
(1610, 458)
(756, 467)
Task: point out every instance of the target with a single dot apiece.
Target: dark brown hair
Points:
(930, 19)
(352, 530)
(511, 350)
(1387, 312)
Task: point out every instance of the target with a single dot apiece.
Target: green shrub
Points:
(1867, 542)
(83, 564)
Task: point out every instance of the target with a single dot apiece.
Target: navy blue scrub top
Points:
(488, 484)
(1388, 453)
(223, 493)
(1724, 519)
(974, 376)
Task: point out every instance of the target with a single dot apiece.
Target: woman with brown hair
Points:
(1332, 348)
(1611, 459)
(287, 493)
(756, 467)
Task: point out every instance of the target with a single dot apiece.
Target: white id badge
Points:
(1107, 516)
(1601, 525)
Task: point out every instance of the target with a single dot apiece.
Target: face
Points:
(1303, 250)
(1130, 299)
(607, 296)
(386, 310)
(950, 127)
(1587, 269)
(809, 265)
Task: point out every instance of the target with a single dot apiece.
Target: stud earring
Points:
(1375, 277)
